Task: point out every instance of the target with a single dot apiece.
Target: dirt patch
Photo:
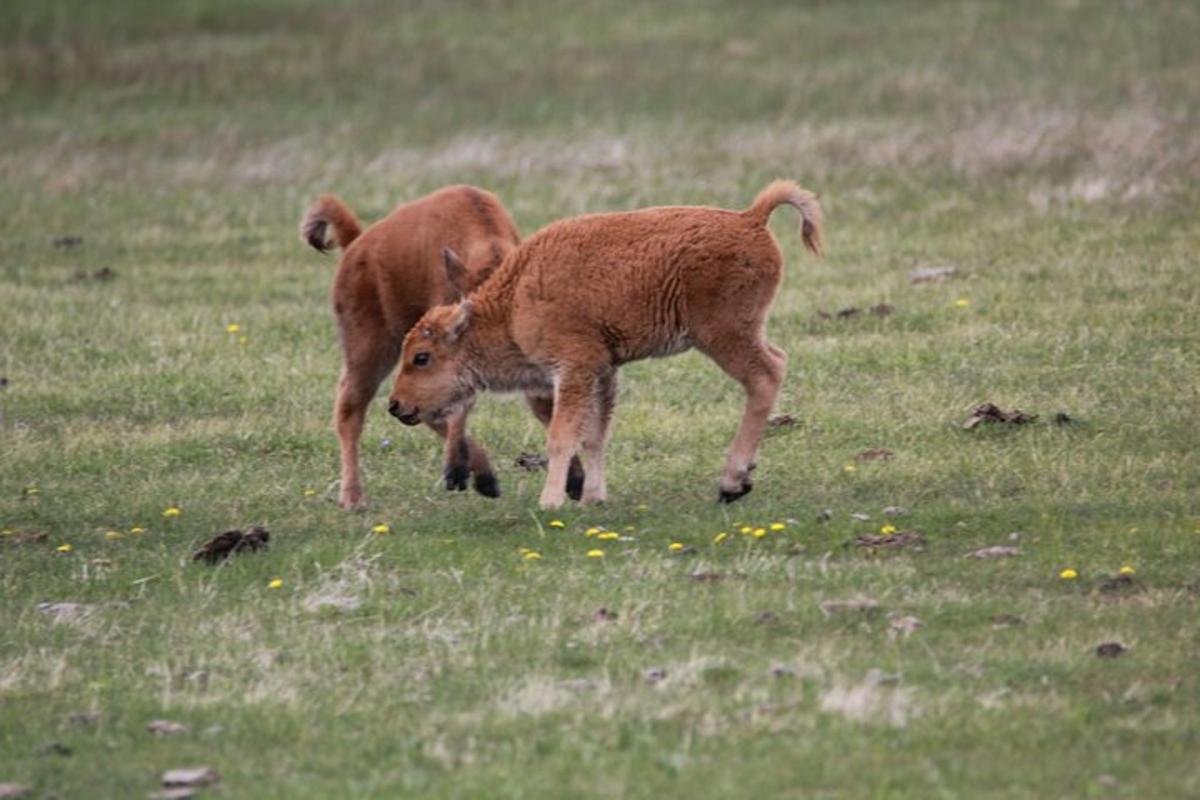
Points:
(990, 412)
(782, 421)
(875, 454)
(223, 545)
(1119, 585)
(1110, 650)
(605, 615)
(895, 541)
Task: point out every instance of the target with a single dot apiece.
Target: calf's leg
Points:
(365, 364)
(574, 405)
(759, 367)
(595, 438)
(464, 457)
(543, 408)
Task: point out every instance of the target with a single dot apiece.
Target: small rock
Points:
(927, 274)
(877, 677)
(165, 727)
(64, 612)
(862, 605)
(895, 511)
(385, 444)
(190, 776)
(1110, 649)
(995, 551)
(1015, 536)
(531, 462)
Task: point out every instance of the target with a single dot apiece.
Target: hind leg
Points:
(759, 367)
(595, 438)
(543, 408)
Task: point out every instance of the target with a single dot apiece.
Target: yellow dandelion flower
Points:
(276, 583)
(523, 550)
(242, 340)
(888, 530)
(746, 529)
(32, 491)
(675, 547)
(595, 554)
(849, 468)
(137, 529)
(113, 536)
(593, 531)
(1133, 529)
(962, 302)
(1068, 574)
(233, 327)
(760, 532)
(310, 492)
(173, 511)
(1127, 570)
(557, 523)
(532, 555)
(777, 526)
(608, 536)
(381, 528)
(720, 537)
(643, 507)
(64, 548)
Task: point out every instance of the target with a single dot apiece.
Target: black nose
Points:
(399, 412)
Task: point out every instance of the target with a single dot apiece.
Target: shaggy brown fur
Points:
(584, 295)
(389, 276)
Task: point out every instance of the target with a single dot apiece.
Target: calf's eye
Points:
(420, 360)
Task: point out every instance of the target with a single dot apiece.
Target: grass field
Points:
(1049, 151)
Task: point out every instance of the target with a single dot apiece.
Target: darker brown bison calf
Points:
(389, 275)
(585, 295)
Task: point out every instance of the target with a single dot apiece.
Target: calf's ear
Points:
(459, 322)
(456, 271)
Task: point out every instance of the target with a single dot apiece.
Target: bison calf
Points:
(389, 275)
(585, 295)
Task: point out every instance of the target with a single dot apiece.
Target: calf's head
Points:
(432, 381)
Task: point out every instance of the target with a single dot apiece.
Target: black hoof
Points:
(726, 496)
(487, 485)
(456, 478)
(575, 485)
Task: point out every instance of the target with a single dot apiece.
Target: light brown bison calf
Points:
(584, 295)
(389, 275)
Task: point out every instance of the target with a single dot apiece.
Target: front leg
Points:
(573, 407)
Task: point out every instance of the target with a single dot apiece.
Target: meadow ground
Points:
(1048, 151)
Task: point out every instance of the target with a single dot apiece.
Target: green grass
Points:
(1047, 150)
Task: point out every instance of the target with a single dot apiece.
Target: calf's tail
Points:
(329, 222)
(779, 192)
